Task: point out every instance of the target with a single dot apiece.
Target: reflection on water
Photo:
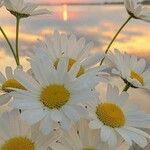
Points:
(96, 23)
(65, 12)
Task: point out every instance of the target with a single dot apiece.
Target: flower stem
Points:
(111, 42)
(127, 86)
(17, 38)
(6, 38)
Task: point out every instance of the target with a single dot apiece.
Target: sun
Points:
(65, 12)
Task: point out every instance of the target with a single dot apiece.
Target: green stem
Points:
(17, 38)
(127, 86)
(6, 38)
(111, 42)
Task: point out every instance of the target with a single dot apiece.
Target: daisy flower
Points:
(136, 10)
(22, 9)
(60, 45)
(54, 95)
(112, 116)
(7, 84)
(80, 137)
(131, 69)
(17, 135)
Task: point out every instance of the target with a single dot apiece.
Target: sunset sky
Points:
(83, 21)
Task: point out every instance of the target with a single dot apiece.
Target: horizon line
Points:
(78, 3)
(90, 3)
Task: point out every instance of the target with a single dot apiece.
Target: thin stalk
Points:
(17, 38)
(8, 42)
(127, 86)
(111, 42)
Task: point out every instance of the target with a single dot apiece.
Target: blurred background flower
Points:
(22, 9)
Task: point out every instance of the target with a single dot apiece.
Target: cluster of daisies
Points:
(55, 104)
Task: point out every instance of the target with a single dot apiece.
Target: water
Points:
(96, 23)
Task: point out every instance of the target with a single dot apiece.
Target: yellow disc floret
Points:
(138, 77)
(70, 64)
(18, 143)
(88, 149)
(110, 114)
(8, 85)
(54, 96)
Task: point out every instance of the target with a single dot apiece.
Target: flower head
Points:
(113, 116)
(17, 135)
(7, 84)
(22, 9)
(136, 10)
(80, 137)
(54, 95)
(60, 46)
(131, 69)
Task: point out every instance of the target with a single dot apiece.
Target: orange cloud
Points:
(10, 32)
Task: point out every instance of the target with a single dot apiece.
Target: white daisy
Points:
(17, 135)
(1, 3)
(22, 9)
(131, 69)
(7, 84)
(113, 116)
(59, 45)
(80, 137)
(54, 95)
(137, 10)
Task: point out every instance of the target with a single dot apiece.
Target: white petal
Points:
(112, 139)
(95, 124)
(26, 80)
(74, 70)
(71, 113)
(105, 133)
(2, 78)
(56, 115)
(138, 131)
(9, 73)
(46, 124)
(4, 99)
(25, 104)
(126, 137)
(66, 122)
(93, 60)
(33, 116)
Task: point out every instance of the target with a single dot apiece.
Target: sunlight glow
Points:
(65, 12)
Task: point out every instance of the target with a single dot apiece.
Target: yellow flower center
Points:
(54, 96)
(18, 143)
(88, 149)
(70, 64)
(135, 75)
(110, 114)
(12, 83)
